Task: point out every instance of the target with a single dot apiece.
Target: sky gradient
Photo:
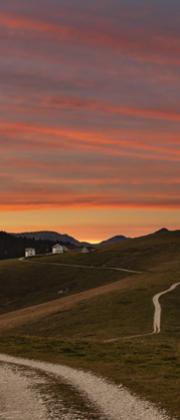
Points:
(90, 116)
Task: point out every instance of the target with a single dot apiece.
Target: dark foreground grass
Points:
(27, 283)
(124, 312)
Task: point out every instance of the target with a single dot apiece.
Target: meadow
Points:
(106, 334)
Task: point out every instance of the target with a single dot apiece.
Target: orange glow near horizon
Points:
(79, 223)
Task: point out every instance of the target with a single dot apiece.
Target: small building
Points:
(30, 252)
(65, 249)
(57, 249)
(85, 250)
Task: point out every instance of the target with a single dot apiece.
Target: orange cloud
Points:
(93, 105)
(42, 198)
(28, 136)
(160, 48)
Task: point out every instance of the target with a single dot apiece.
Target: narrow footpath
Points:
(158, 309)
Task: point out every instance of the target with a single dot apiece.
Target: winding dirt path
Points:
(89, 267)
(156, 318)
(158, 309)
(114, 402)
(19, 400)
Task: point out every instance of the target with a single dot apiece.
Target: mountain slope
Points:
(50, 236)
(113, 240)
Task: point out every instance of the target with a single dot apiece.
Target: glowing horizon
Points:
(86, 229)
(90, 117)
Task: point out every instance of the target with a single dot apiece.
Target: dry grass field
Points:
(95, 323)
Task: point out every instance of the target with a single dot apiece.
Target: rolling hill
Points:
(114, 240)
(99, 318)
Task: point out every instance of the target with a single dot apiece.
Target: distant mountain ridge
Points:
(114, 240)
(52, 236)
(162, 231)
(66, 239)
(12, 245)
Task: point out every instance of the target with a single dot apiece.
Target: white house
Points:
(57, 249)
(30, 252)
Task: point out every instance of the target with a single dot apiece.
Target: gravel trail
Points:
(30, 394)
(18, 400)
(116, 403)
(158, 309)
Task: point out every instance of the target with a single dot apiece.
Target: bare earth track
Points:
(116, 403)
(157, 312)
(89, 267)
(36, 312)
(22, 316)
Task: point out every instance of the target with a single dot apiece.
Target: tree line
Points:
(12, 246)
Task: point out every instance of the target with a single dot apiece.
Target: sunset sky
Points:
(90, 116)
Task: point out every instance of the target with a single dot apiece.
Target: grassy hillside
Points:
(145, 253)
(99, 334)
(29, 283)
(42, 279)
